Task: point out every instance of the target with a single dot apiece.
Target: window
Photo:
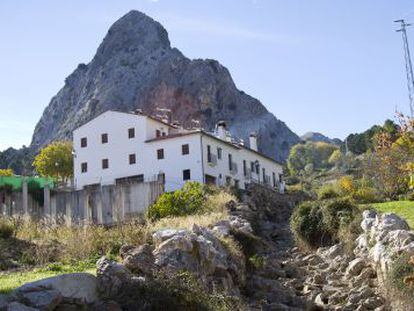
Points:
(186, 175)
(105, 164)
(264, 175)
(244, 168)
(236, 184)
(84, 167)
(185, 149)
(131, 132)
(157, 133)
(160, 154)
(230, 162)
(252, 166)
(104, 138)
(208, 153)
(257, 167)
(280, 178)
(161, 177)
(84, 142)
(132, 158)
(274, 179)
(164, 134)
(219, 153)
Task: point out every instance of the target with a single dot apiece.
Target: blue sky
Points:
(330, 66)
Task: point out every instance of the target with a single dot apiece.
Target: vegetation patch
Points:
(186, 201)
(322, 223)
(179, 291)
(401, 278)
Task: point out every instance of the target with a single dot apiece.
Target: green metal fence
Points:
(15, 182)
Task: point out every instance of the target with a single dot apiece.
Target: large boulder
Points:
(77, 289)
(385, 237)
(200, 252)
(112, 278)
(139, 260)
(386, 223)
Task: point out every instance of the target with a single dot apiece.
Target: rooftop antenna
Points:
(408, 63)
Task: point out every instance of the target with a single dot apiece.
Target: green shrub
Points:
(257, 261)
(338, 213)
(186, 201)
(7, 228)
(401, 277)
(307, 224)
(365, 195)
(322, 223)
(327, 192)
(178, 291)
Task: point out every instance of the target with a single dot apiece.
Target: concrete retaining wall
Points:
(96, 204)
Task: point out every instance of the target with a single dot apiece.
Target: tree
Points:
(335, 158)
(316, 154)
(6, 172)
(388, 165)
(56, 161)
(362, 142)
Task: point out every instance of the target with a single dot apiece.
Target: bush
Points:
(322, 223)
(338, 213)
(347, 185)
(187, 201)
(401, 278)
(307, 224)
(365, 195)
(178, 291)
(7, 228)
(327, 192)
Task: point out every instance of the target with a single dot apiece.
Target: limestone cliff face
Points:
(136, 67)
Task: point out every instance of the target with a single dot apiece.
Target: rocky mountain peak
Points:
(135, 67)
(135, 32)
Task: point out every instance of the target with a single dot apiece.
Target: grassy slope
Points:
(12, 280)
(403, 209)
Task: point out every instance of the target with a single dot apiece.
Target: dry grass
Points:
(60, 243)
(214, 211)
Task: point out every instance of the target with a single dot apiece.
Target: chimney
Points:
(221, 130)
(253, 141)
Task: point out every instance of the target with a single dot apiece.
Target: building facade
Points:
(117, 146)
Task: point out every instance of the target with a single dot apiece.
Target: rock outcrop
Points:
(77, 291)
(136, 67)
(340, 280)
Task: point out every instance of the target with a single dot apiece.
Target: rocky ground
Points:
(268, 273)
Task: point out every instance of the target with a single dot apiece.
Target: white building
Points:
(118, 146)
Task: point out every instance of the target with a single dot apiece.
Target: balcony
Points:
(233, 168)
(211, 159)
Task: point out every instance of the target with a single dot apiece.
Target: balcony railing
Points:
(211, 159)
